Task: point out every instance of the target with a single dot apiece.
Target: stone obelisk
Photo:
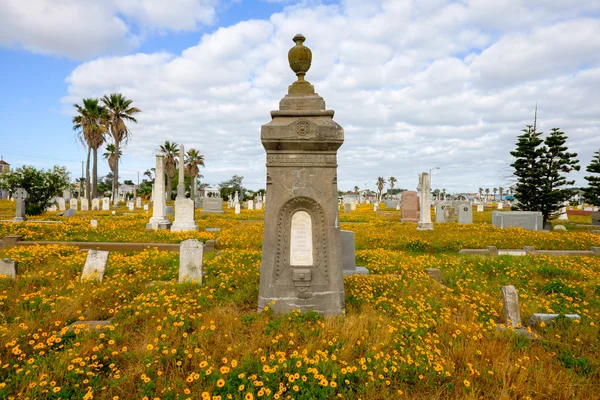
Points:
(301, 264)
(159, 212)
(425, 223)
(184, 207)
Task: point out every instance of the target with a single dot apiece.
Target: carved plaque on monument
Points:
(301, 266)
(301, 247)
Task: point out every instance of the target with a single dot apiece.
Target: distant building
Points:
(4, 167)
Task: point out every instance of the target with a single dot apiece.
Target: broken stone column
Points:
(95, 265)
(190, 261)
(8, 268)
(425, 223)
(20, 195)
(301, 265)
(510, 298)
(159, 214)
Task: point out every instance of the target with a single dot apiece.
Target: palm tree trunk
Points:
(193, 188)
(87, 174)
(169, 182)
(95, 175)
(116, 177)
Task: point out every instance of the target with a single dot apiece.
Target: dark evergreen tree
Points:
(527, 169)
(592, 192)
(556, 162)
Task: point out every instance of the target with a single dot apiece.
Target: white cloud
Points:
(81, 29)
(416, 85)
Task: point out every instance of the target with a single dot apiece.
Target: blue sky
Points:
(415, 84)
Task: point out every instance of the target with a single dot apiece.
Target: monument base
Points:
(356, 271)
(325, 303)
(409, 220)
(184, 226)
(19, 219)
(156, 221)
(425, 226)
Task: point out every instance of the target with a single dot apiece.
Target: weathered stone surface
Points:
(510, 299)
(596, 218)
(73, 204)
(210, 246)
(450, 214)
(435, 274)
(69, 213)
(348, 250)
(301, 265)
(213, 205)
(85, 204)
(95, 265)
(250, 205)
(559, 228)
(410, 206)
(105, 204)
(439, 211)
(530, 220)
(61, 204)
(169, 211)
(8, 268)
(184, 215)
(547, 318)
(138, 202)
(465, 213)
(213, 229)
(95, 204)
(94, 223)
(425, 223)
(130, 206)
(190, 261)
(347, 208)
(480, 207)
(159, 218)
(237, 208)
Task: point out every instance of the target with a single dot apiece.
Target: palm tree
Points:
(193, 158)
(444, 193)
(480, 193)
(501, 190)
(392, 181)
(380, 185)
(111, 156)
(495, 190)
(487, 193)
(119, 111)
(171, 151)
(356, 189)
(511, 190)
(90, 121)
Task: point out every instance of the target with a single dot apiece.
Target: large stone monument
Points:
(301, 264)
(425, 223)
(20, 195)
(212, 201)
(159, 213)
(184, 207)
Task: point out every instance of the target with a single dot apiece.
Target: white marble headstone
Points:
(95, 265)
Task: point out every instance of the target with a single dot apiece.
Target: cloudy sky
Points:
(415, 84)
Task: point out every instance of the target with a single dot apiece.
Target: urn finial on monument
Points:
(300, 58)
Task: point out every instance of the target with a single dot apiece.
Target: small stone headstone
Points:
(510, 298)
(145, 207)
(450, 214)
(8, 268)
(547, 318)
(250, 205)
(85, 204)
(559, 228)
(61, 204)
(94, 223)
(259, 205)
(465, 213)
(73, 204)
(105, 204)
(435, 274)
(347, 208)
(69, 213)
(376, 207)
(138, 202)
(500, 206)
(353, 206)
(20, 195)
(95, 204)
(530, 220)
(479, 207)
(237, 208)
(95, 265)
(131, 206)
(190, 261)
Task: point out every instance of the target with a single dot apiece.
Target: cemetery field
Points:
(403, 336)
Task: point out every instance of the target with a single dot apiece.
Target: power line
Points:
(36, 156)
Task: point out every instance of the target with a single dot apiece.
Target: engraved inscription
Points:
(295, 159)
(301, 246)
